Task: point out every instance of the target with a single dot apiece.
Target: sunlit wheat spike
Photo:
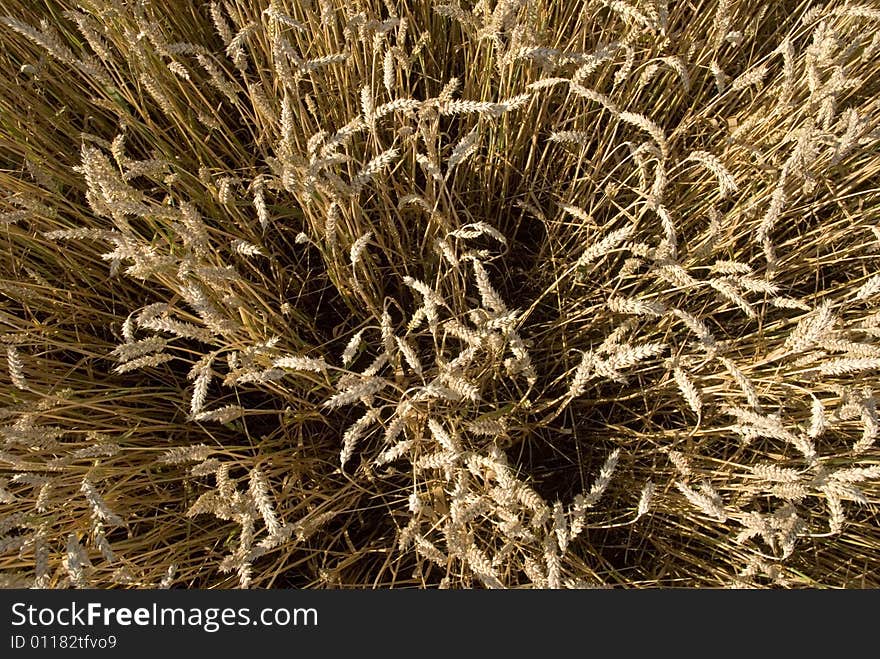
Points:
(220, 23)
(680, 461)
(395, 428)
(447, 441)
(648, 73)
(728, 290)
(537, 53)
(395, 452)
(721, 78)
(403, 105)
(706, 500)
(532, 501)
(490, 297)
(201, 372)
(178, 328)
(560, 526)
(536, 572)
(578, 213)
(755, 525)
(859, 11)
(143, 362)
(99, 540)
(754, 285)
(514, 102)
(696, 326)
(366, 387)
(726, 267)
(351, 348)
(181, 454)
(245, 248)
(677, 65)
(43, 38)
(76, 559)
(774, 210)
(844, 365)
(835, 508)
(438, 460)
(582, 374)
(605, 245)
(358, 247)
(463, 149)
(325, 61)
(795, 492)
(216, 76)
(373, 167)
(98, 505)
(726, 182)
(223, 414)
(771, 426)
(482, 567)
(846, 491)
(386, 328)
(651, 128)
(259, 491)
(236, 42)
(274, 13)
(571, 137)
(744, 383)
(415, 200)
(869, 289)
(817, 419)
(775, 474)
(552, 563)
(626, 356)
(870, 427)
(428, 293)
(409, 354)
(367, 104)
(855, 128)
(378, 363)
(443, 247)
(594, 96)
(811, 329)
(32, 480)
(16, 367)
(461, 387)
(168, 578)
(646, 498)
(260, 206)
(297, 363)
(856, 474)
(628, 12)
(602, 480)
(789, 527)
(91, 30)
(487, 426)
(636, 306)
(668, 248)
(427, 549)
(469, 107)
(752, 77)
(388, 71)
(689, 390)
(475, 229)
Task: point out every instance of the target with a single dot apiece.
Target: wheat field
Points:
(514, 294)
